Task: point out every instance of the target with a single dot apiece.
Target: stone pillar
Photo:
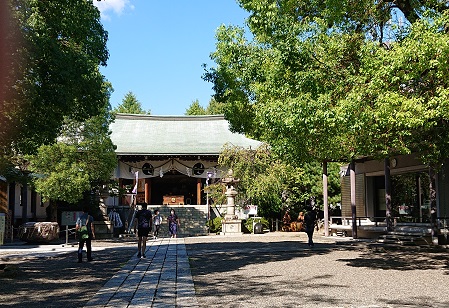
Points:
(230, 195)
(231, 224)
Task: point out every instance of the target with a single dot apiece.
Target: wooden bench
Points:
(345, 228)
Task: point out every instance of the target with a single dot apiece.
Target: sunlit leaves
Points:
(83, 157)
(330, 80)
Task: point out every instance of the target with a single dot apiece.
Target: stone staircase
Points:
(410, 235)
(192, 217)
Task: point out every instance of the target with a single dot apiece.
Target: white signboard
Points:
(69, 218)
(246, 212)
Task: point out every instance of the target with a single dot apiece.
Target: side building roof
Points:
(174, 135)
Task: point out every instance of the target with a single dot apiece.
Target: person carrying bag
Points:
(86, 233)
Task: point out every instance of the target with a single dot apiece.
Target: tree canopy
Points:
(53, 51)
(83, 157)
(195, 109)
(55, 101)
(330, 80)
(213, 107)
(271, 183)
(130, 104)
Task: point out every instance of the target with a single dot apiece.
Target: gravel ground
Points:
(270, 270)
(281, 271)
(58, 280)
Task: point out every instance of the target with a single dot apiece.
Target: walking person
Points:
(157, 221)
(86, 232)
(173, 224)
(310, 221)
(143, 223)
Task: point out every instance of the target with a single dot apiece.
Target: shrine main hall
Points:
(171, 158)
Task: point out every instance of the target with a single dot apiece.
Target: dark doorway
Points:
(173, 183)
(410, 197)
(379, 197)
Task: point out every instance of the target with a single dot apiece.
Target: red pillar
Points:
(198, 191)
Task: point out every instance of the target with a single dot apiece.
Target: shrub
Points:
(214, 225)
(249, 223)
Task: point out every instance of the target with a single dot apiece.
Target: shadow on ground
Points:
(401, 258)
(246, 274)
(59, 281)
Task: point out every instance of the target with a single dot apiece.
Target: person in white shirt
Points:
(157, 221)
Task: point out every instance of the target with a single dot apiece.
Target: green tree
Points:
(130, 104)
(195, 109)
(82, 158)
(338, 79)
(56, 51)
(215, 107)
(271, 183)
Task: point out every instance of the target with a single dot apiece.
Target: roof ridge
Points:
(130, 116)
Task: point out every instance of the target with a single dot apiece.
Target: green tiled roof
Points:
(174, 135)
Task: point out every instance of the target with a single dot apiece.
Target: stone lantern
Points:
(231, 223)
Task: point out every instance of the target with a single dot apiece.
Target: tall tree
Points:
(213, 107)
(56, 67)
(195, 109)
(83, 157)
(130, 104)
(338, 79)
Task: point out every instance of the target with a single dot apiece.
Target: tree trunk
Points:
(53, 211)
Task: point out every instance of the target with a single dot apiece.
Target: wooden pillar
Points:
(3, 197)
(198, 191)
(12, 199)
(388, 209)
(325, 201)
(353, 204)
(147, 190)
(33, 204)
(121, 200)
(24, 202)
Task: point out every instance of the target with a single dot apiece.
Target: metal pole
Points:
(207, 203)
(325, 200)
(67, 235)
(353, 199)
(388, 209)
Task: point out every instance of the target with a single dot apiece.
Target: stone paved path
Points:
(162, 279)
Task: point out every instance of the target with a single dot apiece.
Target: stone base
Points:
(232, 227)
(103, 229)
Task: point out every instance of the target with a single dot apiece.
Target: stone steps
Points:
(404, 238)
(192, 218)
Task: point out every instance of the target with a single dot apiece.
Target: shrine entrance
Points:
(174, 184)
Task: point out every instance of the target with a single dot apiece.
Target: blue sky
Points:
(157, 48)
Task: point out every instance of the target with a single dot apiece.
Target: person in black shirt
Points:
(310, 221)
(143, 222)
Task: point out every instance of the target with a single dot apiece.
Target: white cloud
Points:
(112, 6)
